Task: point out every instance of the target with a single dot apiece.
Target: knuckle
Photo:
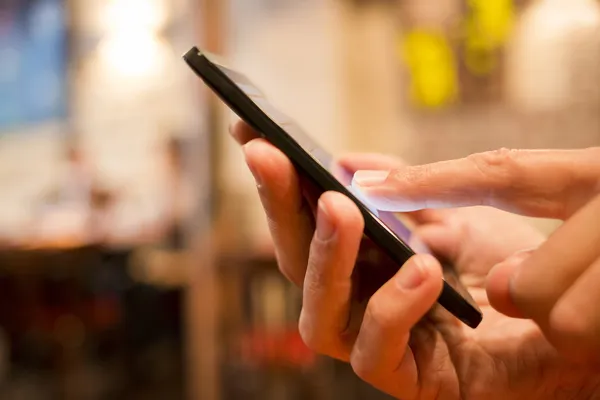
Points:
(500, 163)
(498, 157)
(320, 338)
(362, 369)
(311, 336)
(364, 365)
(378, 315)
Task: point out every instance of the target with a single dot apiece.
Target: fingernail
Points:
(325, 227)
(254, 171)
(370, 178)
(413, 273)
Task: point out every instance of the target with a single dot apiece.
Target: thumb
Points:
(498, 284)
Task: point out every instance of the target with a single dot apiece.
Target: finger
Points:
(328, 284)
(550, 271)
(373, 161)
(290, 222)
(242, 132)
(380, 355)
(575, 320)
(544, 183)
(498, 284)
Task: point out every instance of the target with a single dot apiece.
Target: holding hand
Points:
(390, 329)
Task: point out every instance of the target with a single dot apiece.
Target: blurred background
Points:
(135, 261)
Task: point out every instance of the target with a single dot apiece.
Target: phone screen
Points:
(394, 222)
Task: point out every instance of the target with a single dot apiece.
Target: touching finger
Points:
(290, 220)
(545, 183)
(381, 355)
(379, 162)
(325, 316)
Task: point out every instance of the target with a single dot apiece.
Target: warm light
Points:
(132, 49)
(134, 55)
(135, 15)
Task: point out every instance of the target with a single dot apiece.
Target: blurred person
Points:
(77, 185)
(78, 209)
(540, 335)
(163, 263)
(64, 215)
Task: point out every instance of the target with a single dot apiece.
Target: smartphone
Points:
(386, 230)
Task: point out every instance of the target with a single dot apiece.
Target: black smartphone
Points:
(386, 230)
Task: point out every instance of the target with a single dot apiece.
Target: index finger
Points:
(354, 162)
(539, 183)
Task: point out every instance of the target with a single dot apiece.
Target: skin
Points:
(358, 308)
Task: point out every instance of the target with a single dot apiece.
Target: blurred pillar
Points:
(369, 76)
(202, 306)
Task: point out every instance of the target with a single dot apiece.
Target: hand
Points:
(555, 285)
(354, 310)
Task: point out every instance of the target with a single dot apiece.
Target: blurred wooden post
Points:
(370, 76)
(202, 305)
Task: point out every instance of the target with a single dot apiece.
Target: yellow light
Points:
(431, 64)
(487, 28)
